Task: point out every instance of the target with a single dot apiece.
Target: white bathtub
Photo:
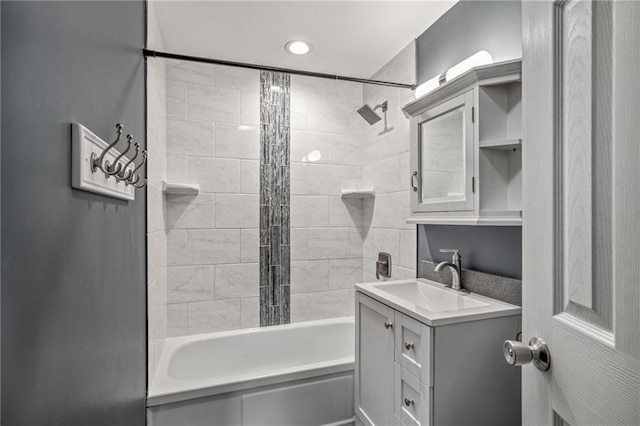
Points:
(290, 374)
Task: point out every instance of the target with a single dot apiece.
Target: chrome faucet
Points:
(455, 266)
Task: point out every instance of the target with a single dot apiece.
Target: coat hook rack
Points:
(96, 162)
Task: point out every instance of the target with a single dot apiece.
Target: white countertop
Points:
(435, 304)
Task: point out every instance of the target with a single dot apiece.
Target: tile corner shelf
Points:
(358, 193)
(180, 188)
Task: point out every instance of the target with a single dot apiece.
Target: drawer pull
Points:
(408, 402)
(408, 345)
(388, 325)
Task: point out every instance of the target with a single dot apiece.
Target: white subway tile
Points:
(237, 141)
(214, 104)
(213, 316)
(398, 210)
(250, 108)
(299, 244)
(344, 273)
(328, 243)
(213, 246)
(309, 275)
(190, 138)
(155, 209)
(249, 245)
(299, 307)
(237, 211)
(237, 78)
(176, 168)
(176, 99)
(190, 283)
(408, 249)
(190, 211)
(329, 304)
(177, 320)
(191, 72)
(309, 147)
(238, 280)
(345, 211)
(388, 241)
(177, 248)
(214, 174)
(308, 211)
(249, 312)
(249, 176)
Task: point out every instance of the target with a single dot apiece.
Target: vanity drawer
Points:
(413, 399)
(414, 347)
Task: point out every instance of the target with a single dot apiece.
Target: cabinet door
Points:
(374, 362)
(442, 157)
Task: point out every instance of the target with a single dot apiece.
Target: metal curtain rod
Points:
(155, 54)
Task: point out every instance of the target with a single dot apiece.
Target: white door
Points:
(581, 220)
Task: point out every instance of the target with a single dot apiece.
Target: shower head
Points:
(369, 114)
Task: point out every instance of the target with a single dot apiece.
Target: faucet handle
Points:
(456, 253)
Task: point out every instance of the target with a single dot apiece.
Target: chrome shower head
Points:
(369, 114)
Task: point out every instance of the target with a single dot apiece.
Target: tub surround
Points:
(496, 287)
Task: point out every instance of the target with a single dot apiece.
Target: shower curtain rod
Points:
(155, 54)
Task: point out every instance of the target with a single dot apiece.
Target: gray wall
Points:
(492, 249)
(73, 263)
(468, 27)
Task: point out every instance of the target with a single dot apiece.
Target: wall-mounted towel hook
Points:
(125, 174)
(98, 161)
(116, 167)
(90, 153)
(131, 180)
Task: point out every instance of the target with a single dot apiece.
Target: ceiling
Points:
(353, 38)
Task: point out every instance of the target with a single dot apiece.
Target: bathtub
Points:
(294, 374)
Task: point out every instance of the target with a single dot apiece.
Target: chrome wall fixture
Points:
(123, 173)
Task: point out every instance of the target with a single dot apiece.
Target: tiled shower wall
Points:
(387, 169)
(326, 230)
(213, 139)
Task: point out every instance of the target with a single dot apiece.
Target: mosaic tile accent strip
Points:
(274, 199)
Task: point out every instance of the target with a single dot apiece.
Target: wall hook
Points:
(97, 162)
(131, 181)
(124, 173)
(114, 169)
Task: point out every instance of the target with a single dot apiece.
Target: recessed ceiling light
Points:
(298, 47)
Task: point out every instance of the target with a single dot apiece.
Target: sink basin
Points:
(429, 297)
(434, 303)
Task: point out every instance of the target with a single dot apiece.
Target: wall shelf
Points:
(359, 193)
(180, 188)
(506, 145)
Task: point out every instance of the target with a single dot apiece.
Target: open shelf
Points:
(359, 193)
(506, 145)
(180, 188)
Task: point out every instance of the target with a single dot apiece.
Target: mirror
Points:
(442, 157)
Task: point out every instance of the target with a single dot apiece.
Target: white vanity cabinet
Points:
(411, 374)
(466, 139)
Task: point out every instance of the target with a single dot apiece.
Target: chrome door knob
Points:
(388, 325)
(408, 402)
(517, 353)
(408, 345)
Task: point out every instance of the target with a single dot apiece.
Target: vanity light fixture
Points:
(298, 47)
(478, 59)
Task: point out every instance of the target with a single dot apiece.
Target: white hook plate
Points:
(84, 143)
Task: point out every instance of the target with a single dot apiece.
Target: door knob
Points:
(536, 352)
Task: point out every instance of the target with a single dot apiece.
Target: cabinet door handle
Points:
(388, 325)
(408, 345)
(408, 402)
(414, 181)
